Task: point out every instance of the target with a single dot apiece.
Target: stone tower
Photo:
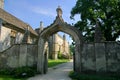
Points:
(1, 4)
(64, 45)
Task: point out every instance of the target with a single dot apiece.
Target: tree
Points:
(72, 48)
(107, 12)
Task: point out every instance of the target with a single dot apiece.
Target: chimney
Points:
(2, 4)
(41, 27)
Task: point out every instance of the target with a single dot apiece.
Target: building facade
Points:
(14, 31)
(59, 47)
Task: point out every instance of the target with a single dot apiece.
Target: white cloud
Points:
(47, 12)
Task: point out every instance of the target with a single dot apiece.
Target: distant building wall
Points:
(5, 38)
(10, 36)
(57, 45)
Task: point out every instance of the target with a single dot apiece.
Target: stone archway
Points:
(59, 25)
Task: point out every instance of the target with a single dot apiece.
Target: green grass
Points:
(52, 63)
(77, 76)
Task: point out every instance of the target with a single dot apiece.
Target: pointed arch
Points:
(59, 25)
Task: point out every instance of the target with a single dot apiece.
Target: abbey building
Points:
(14, 31)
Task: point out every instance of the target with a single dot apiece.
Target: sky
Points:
(34, 11)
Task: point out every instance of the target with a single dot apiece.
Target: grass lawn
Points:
(52, 63)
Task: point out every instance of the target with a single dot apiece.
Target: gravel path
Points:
(59, 72)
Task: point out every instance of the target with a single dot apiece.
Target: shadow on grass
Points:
(77, 76)
(3, 77)
(52, 63)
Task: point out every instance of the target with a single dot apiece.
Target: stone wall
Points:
(19, 55)
(96, 57)
(101, 57)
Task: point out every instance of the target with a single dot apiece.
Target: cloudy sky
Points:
(34, 11)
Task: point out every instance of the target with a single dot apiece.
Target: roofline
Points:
(9, 18)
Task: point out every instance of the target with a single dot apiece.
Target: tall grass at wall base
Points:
(78, 76)
(21, 72)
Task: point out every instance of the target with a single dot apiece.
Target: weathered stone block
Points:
(23, 55)
(111, 56)
(84, 56)
(13, 58)
(3, 61)
(100, 57)
(89, 58)
(31, 55)
(117, 47)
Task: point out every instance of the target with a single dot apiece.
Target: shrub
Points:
(6, 71)
(24, 72)
(59, 55)
(21, 72)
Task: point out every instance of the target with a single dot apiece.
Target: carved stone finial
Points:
(26, 38)
(98, 37)
(28, 27)
(59, 11)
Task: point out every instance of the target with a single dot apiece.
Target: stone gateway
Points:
(31, 48)
(59, 25)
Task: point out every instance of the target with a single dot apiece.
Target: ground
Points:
(59, 72)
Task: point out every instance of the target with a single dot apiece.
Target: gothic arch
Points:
(59, 25)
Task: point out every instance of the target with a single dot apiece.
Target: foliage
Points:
(52, 63)
(9, 78)
(21, 72)
(72, 49)
(63, 56)
(6, 71)
(59, 55)
(7, 74)
(24, 72)
(77, 76)
(105, 11)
